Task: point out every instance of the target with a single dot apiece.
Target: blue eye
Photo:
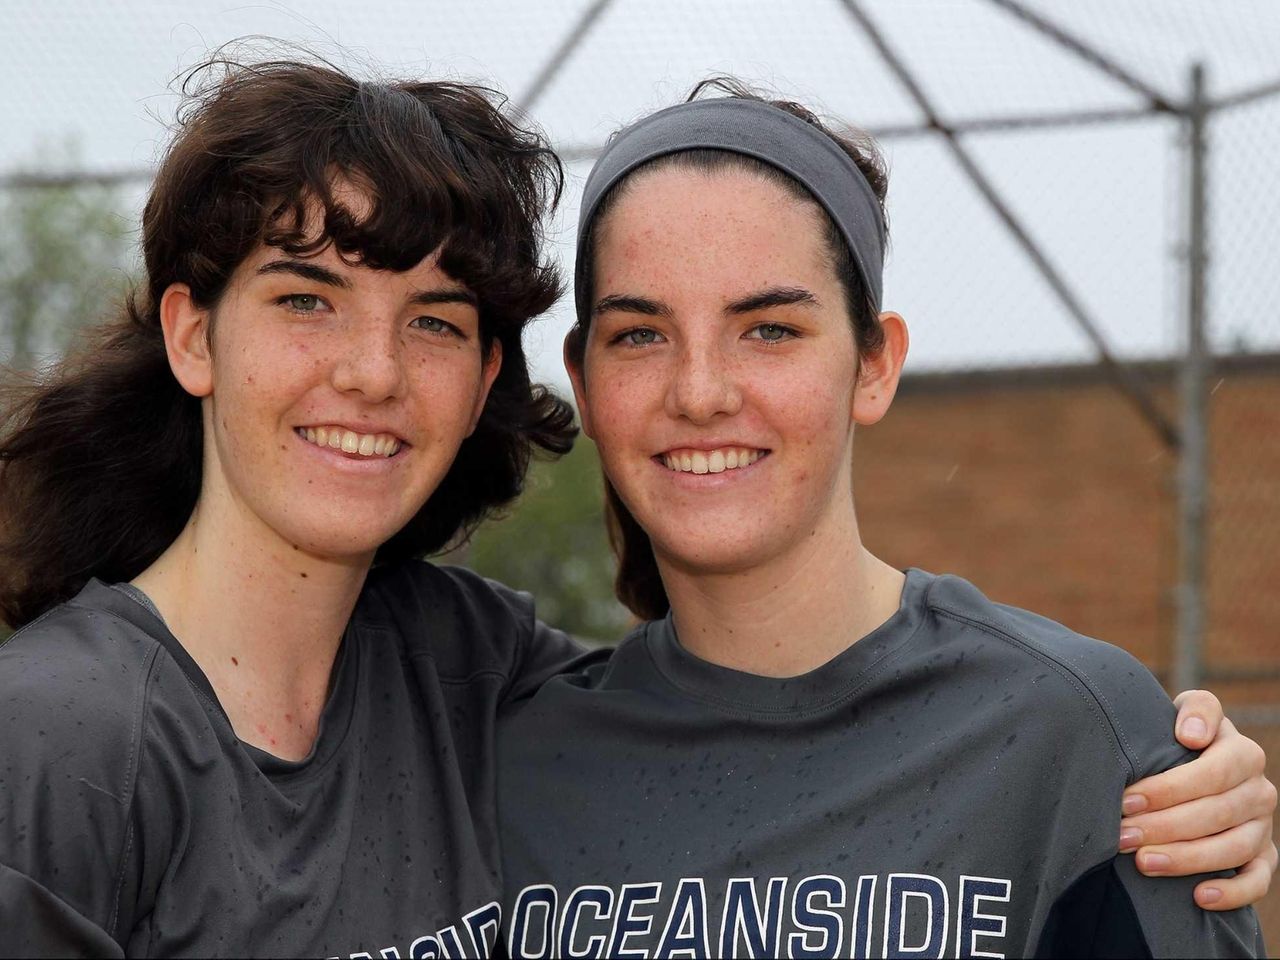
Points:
(432, 325)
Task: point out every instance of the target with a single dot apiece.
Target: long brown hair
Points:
(100, 459)
(638, 584)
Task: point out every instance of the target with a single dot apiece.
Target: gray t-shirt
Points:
(132, 821)
(947, 786)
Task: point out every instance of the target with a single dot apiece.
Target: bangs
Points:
(389, 148)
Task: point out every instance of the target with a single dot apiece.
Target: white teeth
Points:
(714, 461)
(361, 444)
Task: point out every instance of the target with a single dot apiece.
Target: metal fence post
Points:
(1193, 459)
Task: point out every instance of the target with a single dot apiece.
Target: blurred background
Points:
(1085, 217)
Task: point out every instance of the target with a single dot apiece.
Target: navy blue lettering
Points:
(483, 926)
(742, 913)
(685, 934)
(627, 924)
(904, 888)
(531, 898)
(823, 930)
(599, 898)
(974, 923)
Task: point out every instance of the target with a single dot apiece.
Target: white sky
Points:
(1103, 200)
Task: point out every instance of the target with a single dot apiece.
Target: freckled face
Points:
(340, 395)
(720, 368)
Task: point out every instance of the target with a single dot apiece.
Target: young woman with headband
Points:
(239, 717)
(803, 751)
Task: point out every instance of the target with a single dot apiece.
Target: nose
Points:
(703, 384)
(372, 360)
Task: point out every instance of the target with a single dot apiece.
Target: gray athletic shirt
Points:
(132, 821)
(947, 786)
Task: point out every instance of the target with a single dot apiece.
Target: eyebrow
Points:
(762, 300)
(319, 274)
(425, 298)
(308, 271)
(629, 304)
(772, 297)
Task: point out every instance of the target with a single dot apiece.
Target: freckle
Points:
(283, 447)
(235, 661)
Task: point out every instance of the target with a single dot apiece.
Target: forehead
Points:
(730, 222)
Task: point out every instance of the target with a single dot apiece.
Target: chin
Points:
(341, 537)
(712, 554)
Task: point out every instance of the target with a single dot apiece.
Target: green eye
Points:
(303, 302)
(772, 332)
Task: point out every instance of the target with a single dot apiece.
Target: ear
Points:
(488, 374)
(578, 381)
(878, 378)
(186, 340)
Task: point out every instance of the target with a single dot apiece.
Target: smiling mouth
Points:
(710, 461)
(371, 445)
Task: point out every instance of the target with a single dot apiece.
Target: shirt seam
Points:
(133, 767)
(1093, 699)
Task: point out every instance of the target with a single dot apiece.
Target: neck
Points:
(791, 615)
(262, 618)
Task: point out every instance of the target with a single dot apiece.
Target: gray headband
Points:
(754, 129)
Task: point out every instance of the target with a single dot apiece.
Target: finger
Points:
(1227, 762)
(1248, 886)
(1222, 851)
(1199, 714)
(1195, 819)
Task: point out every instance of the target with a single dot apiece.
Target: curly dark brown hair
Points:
(100, 459)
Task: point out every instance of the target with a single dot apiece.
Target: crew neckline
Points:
(833, 682)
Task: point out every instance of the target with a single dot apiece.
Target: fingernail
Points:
(1133, 803)
(1155, 862)
(1209, 895)
(1130, 837)
(1195, 728)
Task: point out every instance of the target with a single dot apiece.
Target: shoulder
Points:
(73, 701)
(80, 671)
(1072, 677)
(462, 620)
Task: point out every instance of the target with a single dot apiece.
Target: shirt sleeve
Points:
(1113, 910)
(72, 690)
(37, 923)
(546, 653)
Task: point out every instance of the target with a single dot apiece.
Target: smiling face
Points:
(720, 375)
(335, 396)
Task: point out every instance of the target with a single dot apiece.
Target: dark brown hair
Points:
(639, 584)
(100, 460)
